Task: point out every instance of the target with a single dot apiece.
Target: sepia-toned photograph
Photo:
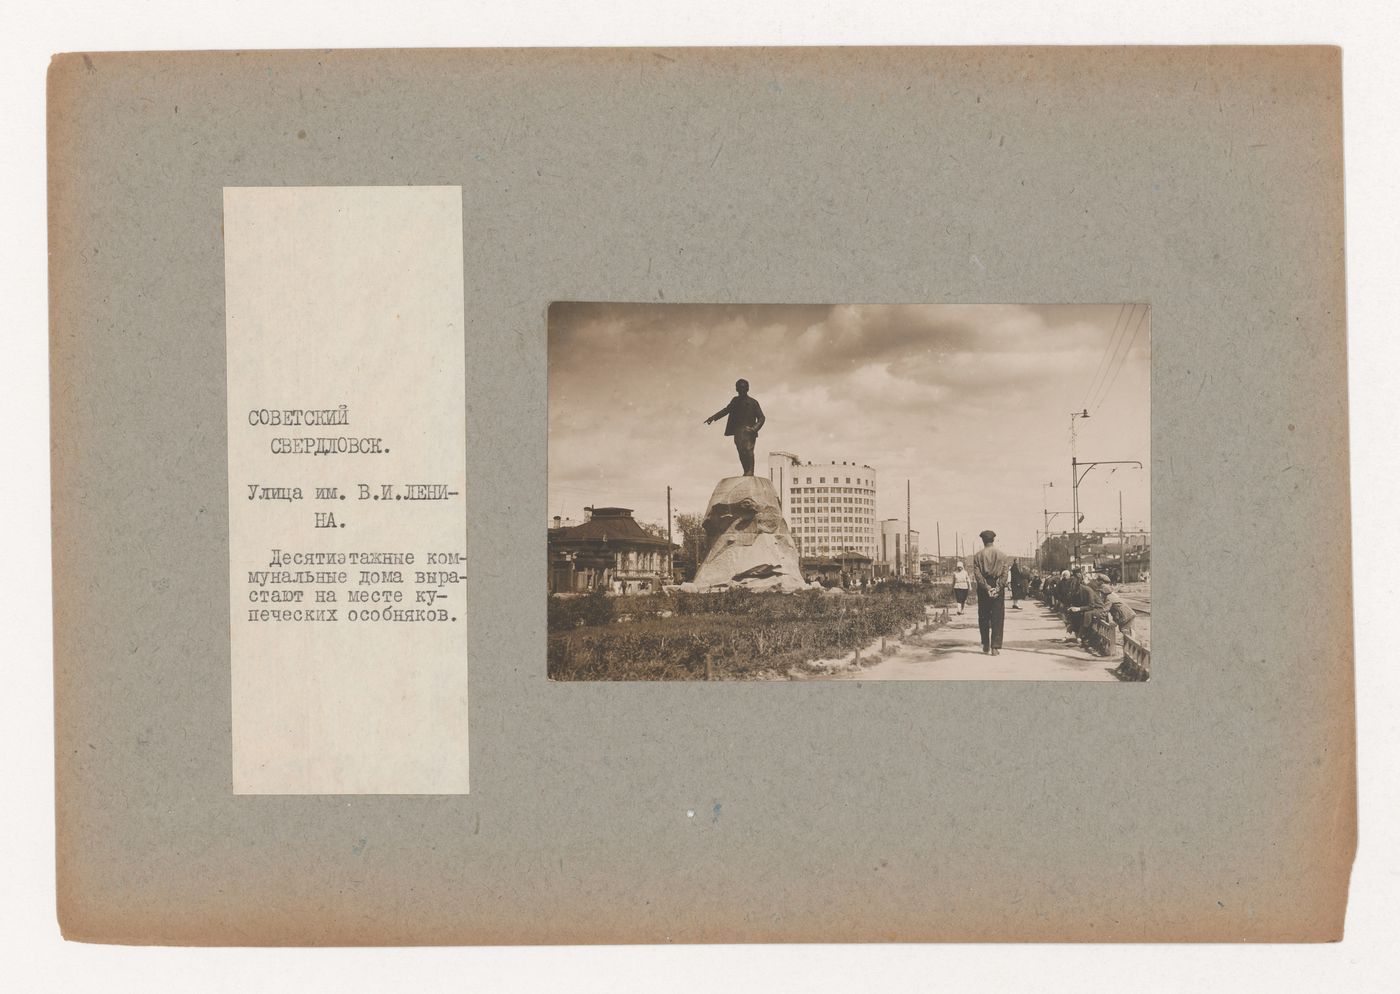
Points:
(849, 492)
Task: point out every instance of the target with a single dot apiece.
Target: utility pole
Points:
(1074, 477)
(938, 538)
(1078, 476)
(1045, 503)
(670, 546)
(1122, 552)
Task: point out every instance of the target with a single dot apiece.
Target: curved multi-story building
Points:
(829, 504)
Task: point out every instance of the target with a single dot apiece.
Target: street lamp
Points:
(1075, 464)
(1072, 439)
(1074, 479)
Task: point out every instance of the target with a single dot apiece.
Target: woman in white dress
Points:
(962, 583)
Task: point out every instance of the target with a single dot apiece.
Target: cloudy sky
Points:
(971, 403)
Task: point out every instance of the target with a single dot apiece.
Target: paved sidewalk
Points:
(1032, 649)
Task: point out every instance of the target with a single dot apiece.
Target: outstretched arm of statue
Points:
(717, 415)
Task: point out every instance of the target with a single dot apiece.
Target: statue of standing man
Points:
(745, 420)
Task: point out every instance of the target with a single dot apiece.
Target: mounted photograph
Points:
(849, 492)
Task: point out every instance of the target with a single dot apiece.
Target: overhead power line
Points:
(1113, 335)
(1123, 361)
(1108, 370)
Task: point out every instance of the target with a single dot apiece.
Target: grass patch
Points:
(744, 635)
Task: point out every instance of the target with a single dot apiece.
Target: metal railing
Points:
(1102, 635)
(1137, 661)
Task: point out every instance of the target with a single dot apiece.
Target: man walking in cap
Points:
(745, 420)
(991, 568)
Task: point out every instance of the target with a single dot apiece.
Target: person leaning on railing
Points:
(1098, 610)
(1123, 616)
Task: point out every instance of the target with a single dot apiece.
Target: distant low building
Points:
(842, 569)
(1125, 562)
(608, 552)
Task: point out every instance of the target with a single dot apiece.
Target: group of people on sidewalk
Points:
(1085, 596)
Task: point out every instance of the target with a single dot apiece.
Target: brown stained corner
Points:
(64, 77)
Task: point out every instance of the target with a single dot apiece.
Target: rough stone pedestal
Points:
(750, 545)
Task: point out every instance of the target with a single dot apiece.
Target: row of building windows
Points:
(812, 548)
(836, 479)
(864, 501)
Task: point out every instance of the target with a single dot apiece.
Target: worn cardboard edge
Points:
(80, 922)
